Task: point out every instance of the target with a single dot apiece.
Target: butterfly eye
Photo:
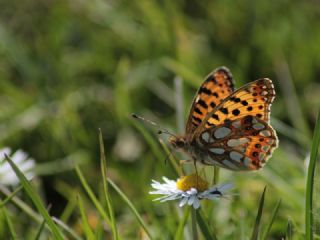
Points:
(177, 142)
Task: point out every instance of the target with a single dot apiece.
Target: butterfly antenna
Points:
(160, 130)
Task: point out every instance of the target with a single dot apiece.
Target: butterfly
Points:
(230, 128)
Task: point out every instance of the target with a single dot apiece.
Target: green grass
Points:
(257, 226)
(73, 67)
(310, 181)
(36, 201)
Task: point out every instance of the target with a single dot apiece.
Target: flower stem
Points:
(216, 175)
(194, 223)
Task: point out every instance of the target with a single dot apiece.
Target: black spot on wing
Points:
(202, 103)
(197, 110)
(196, 119)
(215, 116)
(244, 103)
(224, 110)
(236, 112)
(235, 99)
(205, 91)
(212, 78)
(213, 105)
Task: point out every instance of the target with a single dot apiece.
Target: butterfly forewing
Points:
(242, 144)
(230, 128)
(217, 86)
(253, 99)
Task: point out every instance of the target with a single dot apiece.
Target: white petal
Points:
(27, 165)
(19, 156)
(183, 202)
(191, 200)
(225, 187)
(4, 151)
(216, 191)
(196, 203)
(192, 191)
(174, 197)
(9, 179)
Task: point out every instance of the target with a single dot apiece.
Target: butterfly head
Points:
(178, 142)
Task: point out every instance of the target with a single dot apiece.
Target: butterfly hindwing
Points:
(242, 144)
(217, 86)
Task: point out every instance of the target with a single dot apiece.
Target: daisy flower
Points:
(188, 190)
(21, 159)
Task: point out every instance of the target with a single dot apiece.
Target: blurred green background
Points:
(68, 68)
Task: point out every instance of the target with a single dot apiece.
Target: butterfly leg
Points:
(181, 162)
(196, 169)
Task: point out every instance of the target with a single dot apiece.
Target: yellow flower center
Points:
(185, 183)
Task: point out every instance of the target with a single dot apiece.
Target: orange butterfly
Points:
(228, 128)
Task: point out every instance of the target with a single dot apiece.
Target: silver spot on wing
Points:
(205, 137)
(237, 142)
(258, 126)
(265, 133)
(236, 156)
(217, 150)
(222, 132)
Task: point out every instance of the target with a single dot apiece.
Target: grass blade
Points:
(256, 228)
(194, 226)
(131, 206)
(293, 106)
(37, 237)
(289, 232)
(12, 232)
(36, 200)
(150, 140)
(34, 215)
(103, 165)
(68, 210)
(23, 206)
(179, 232)
(275, 212)
(7, 199)
(310, 179)
(181, 70)
(206, 231)
(178, 87)
(92, 196)
(86, 227)
(171, 158)
(66, 228)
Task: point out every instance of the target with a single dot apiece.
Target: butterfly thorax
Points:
(187, 145)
